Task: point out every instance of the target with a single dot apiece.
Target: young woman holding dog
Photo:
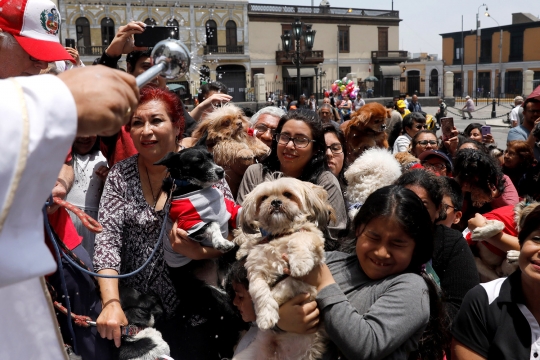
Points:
(298, 150)
(498, 319)
(378, 301)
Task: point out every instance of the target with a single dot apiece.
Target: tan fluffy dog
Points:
(366, 130)
(225, 133)
(289, 210)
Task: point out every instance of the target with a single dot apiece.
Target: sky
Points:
(423, 20)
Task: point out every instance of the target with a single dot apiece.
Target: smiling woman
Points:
(131, 210)
(298, 150)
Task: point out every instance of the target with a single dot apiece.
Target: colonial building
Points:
(500, 68)
(215, 33)
(347, 40)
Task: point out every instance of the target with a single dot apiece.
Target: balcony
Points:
(91, 50)
(389, 56)
(227, 49)
(271, 9)
(485, 59)
(314, 57)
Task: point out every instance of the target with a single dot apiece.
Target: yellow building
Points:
(215, 33)
(347, 40)
(500, 69)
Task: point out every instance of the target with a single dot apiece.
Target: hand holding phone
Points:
(486, 129)
(447, 126)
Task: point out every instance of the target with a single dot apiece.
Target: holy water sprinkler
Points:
(171, 60)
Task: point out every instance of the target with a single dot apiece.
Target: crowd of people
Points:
(442, 263)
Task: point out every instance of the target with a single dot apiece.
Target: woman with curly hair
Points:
(298, 151)
(518, 159)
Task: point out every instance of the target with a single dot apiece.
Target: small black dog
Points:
(196, 206)
(140, 341)
(205, 326)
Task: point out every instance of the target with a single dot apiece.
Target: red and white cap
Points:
(35, 25)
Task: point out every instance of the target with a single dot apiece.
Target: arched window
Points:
(211, 34)
(107, 31)
(172, 22)
(231, 34)
(84, 42)
(150, 21)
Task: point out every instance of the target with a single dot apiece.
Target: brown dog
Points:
(225, 133)
(365, 130)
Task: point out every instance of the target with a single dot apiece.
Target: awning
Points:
(304, 72)
(391, 70)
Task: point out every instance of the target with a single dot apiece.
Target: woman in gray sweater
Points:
(380, 303)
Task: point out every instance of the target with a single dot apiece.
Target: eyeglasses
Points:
(437, 167)
(284, 139)
(418, 127)
(446, 206)
(335, 148)
(425, 142)
(262, 129)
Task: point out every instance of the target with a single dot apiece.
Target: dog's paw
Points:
(224, 245)
(267, 319)
(301, 267)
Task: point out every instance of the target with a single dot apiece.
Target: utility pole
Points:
(462, 55)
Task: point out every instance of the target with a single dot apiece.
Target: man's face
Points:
(14, 61)
(326, 115)
(531, 113)
(326, 101)
(144, 63)
(414, 98)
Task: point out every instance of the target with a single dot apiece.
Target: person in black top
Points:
(500, 319)
(452, 260)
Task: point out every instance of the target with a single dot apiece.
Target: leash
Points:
(56, 242)
(89, 222)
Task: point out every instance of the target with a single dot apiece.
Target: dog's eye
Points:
(264, 198)
(227, 123)
(287, 194)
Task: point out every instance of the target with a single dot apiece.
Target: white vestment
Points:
(29, 330)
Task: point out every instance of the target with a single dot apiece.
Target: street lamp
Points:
(476, 59)
(499, 87)
(321, 74)
(298, 56)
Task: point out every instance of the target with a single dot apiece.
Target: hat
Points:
(424, 155)
(35, 25)
(467, 97)
(401, 104)
(534, 95)
(518, 98)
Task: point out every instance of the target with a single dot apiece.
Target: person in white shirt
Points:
(412, 123)
(41, 116)
(516, 115)
(358, 102)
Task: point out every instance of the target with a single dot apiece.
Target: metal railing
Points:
(322, 10)
(311, 57)
(223, 49)
(389, 54)
(91, 50)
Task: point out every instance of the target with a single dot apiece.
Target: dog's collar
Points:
(131, 330)
(181, 183)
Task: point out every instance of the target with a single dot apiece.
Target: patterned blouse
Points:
(131, 228)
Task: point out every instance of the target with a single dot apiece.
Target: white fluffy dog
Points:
(375, 168)
(289, 210)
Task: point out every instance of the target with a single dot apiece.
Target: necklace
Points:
(151, 189)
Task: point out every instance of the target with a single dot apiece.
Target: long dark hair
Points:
(318, 163)
(334, 129)
(409, 211)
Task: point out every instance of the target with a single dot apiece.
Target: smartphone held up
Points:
(447, 126)
(153, 34)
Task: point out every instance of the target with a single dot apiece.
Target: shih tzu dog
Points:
(289, 213)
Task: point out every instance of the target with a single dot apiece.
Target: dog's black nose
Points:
(220, 172)
(276, 203)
